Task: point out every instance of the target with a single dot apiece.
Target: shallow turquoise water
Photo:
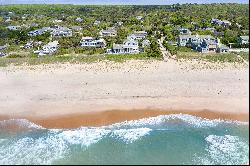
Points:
(168, 139)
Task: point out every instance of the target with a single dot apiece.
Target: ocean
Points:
(166, 139)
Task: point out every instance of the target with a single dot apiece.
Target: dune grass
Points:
(214, 57)
(31, 59)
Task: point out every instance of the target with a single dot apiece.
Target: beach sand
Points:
(74, 95)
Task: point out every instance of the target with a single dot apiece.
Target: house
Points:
(78, 19)
(39, 31)
(139, 18)
(206, 46)
(243, 40)
(108, 32)
(76, 28)
(27, 45)
(57, 21)
(138, 35)
(128, 47)
(210, 29)
(200, 43)
(184, 31)
(184, 40)
(49, 48)
(2, 54)
(222, 48)
(3, 47)
(14, 28)
(217, 34)
(224, 23)
(97, 22)
(8, 20)
(92, 42)
(61, 31)
(216, 21)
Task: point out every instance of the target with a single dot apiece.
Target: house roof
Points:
(117, 46)
(76, 27)
(222, 46)
(52, 44)
(3, 47)
(87, 38)
(244, 37)
(108, 31)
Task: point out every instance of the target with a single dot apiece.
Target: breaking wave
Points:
(38, 145)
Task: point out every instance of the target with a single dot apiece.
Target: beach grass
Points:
(214, 57)
(32, 59)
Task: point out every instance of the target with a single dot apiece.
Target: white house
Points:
(138, 35)
(13, 28)
(78, 19)
(76, 28)
(97, 22)
(49, 48)
(128, 47)
(243, 40)
(92, 42)
(61, 31)
(108, 32)
(57, 21)
(184, 31)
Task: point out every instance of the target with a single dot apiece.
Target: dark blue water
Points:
(169, 139)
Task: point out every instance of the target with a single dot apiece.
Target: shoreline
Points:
(103, 93)
(104, 118)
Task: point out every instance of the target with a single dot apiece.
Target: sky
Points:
(117, 2)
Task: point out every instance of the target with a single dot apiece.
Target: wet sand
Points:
(103, 118)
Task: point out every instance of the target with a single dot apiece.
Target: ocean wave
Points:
(19, 123)
(175, 118)
(28, 150)
(51, 145)
(55, 144)
(83, 136)
(144, 122)
(225, 150)
(130, 135)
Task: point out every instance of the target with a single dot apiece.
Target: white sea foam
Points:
(21, 123)
(130, 135)
(225, 150)
(83, 136)
(29, 150)
(185, 118)
(54, 143)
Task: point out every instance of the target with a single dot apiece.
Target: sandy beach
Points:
(73, 95)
